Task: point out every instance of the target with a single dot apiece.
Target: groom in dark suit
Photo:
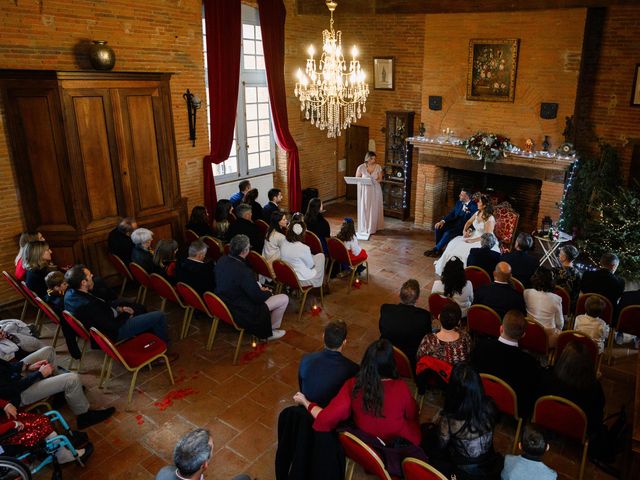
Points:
(451, 226)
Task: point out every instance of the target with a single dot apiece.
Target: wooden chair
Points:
(338, 253)
(122, 269)
(437, 302)
(263, 226)
(259, 265)
(535, 338)
(405, 370)
(215, 249)
(134, 354)
(191, 236)
(506, 225)
(506, 400)
(483, 320)
(194, 300)
(81, 332)
(415, 469)
(628, 322)
(18, 289)
(517, 285)
(142, 277)
(51, 315)
(221, 312)
(359, 452)
(285, 275)
(477, 276)
(165, 291)
(568, 336)
(565, 418)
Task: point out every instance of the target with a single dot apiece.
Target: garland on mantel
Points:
(488, 147)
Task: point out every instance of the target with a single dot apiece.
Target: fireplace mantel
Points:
(446, 155)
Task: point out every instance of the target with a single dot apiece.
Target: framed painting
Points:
(635, 93)
(384, 73)
(492, 69)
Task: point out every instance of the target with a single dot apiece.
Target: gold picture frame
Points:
(492, 69)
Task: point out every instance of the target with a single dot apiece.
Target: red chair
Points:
(313, 242)
(31, 297)
(338, 253)
(192, 299)
(628, 322)
(259, 265)
(285, 275)
(142, 277)
(505, 398)
(483, 320)
(165, 291)
(122, 269)
(506, 225)
(565, 418)
(215, 250)
(414, 469)
(517, 285)
(133, 354)
(437, 302)
(405, 370)
(607, 315)
(191, 236)
(359, 452)
(477, 276)
(535, 338)
(566, 337)
(566, 304)
(51, 315)
(263, 226)
(18, 289)
(81, 332)
(221, 312)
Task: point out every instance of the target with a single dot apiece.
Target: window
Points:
(253, 149)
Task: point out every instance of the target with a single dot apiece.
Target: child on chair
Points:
(348, 236)
(529, 464)
(591, 324)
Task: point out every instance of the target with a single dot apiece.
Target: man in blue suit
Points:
(451, 226)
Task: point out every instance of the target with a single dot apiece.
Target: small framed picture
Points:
(384, 73)
(635, 93)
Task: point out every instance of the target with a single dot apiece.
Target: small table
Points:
(549, 248)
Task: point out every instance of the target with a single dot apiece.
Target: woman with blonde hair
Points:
(36, 258)
(26, 237)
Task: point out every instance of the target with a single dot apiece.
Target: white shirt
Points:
(353, 246)
(545, 307)
(593, 327)
(464, 299)
(298, 255)
(271, 249)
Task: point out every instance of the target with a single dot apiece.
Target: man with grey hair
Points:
(484, 257)
(523, 265)
(191, 457)
(253, 306)
(196, 271)
(604, 280)
(244, 226)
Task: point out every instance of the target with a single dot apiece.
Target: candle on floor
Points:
(357, 283)
(315, 310)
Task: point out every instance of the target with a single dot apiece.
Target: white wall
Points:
(263, 183)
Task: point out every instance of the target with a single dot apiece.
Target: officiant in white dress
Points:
(370, 208)
(482, 221)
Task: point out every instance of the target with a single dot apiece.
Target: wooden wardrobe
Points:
(89, 148)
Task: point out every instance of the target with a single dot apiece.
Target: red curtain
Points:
(272, 18)
(223, 23)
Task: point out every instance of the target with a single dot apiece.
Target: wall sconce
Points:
(193, 104)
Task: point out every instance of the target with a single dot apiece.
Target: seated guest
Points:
(322, 374)
(244, 226)
(452, 224)
(500, 294)
(529, 465)
(604, 281)
(316, 222)
(453, 284)
(196, 271)
(199, 222)
(450, 344)
(591, 324)
(273, 205)
(275, 237)
(25, 238)
(347, 235)
(632, 297)
(253, 307)
(243, 187)
(522, 264)
(484, 257)
(141, 253)
(503, 358)
(191, 458)
(574, 377)
(36, 378)
(250, 199)
(119, 242)
(164, 259)
(116, 323)
(309, 268)
(567, 276)
(543, 305)
(56, 288)
(404, 324)
(37, 261)
(221, 219)
(465, 429)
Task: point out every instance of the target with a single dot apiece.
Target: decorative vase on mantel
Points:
(101, 55)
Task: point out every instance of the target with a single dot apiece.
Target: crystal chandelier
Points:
(332, 97)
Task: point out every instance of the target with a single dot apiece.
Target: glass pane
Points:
(265, 159)
(252, 111)
(248, 31)
(263, 110)
(260, 63)
(265, 143)
(254, 161)
(249, 95)
(249, 47)
(264, 127)
(252, 129)
(253, 144)
(258, 47)
(249, 62)
(231, 165)
(263, 94)
(258, 33)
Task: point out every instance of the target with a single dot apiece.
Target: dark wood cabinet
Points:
(89, 148)
(396, 185)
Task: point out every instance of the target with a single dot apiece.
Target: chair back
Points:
(263, 226)
(258, 264)
(517, 285)
(566, 299)
(191, 236)
(286, 275)
(535, 338)
(561, 416)
(164, 289)
(219, 309)
(477, 276)
(227, 249)
(47, 310)
(139, 274)
(502, 394)
(76, 325)
(28, 293)
(313, 242)
(483, 320)
(120, 266)
(506, 225)
(440, 367)
(191, 298)
(215, 250)
(565, 338)
(607, 314)
(403, 365)
(437, 302)
(362, 454)
(415, 469)
(14, 283)
(629, 320)
(338, 251)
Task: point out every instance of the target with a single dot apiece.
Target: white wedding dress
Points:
(458, 247)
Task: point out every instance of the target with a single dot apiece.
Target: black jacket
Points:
(322, 374)
(251, 230)
(321, 228)
(35, 281)
(94, 312)
(144, 258)
(198, 275)
(120, 244)
(484, 258)
(256, 211)
(268, 210)
(404, 326)
(603, 282)
(523, 266)
(501, 297)
(201, 229)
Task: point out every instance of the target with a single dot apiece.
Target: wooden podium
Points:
(361, 182)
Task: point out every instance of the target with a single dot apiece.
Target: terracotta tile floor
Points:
(240, 404)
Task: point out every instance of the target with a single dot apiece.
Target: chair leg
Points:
(84, 350)
(302, 302)
(235, 355)
(144, 295)
(186, 322)
(351, 277)
(367, 267)
(139, 294)
(612, 335)
(124, 285)
(133, 384)
(107, 375)
(102, 370)
(55, 336)
(517, 437)
(163, 304)
(212, 332)
(350, 466)
(166, 361)
(584, 459)
(322, 295)
(38, 322)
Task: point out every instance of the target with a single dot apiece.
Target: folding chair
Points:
(506, 400)
(221, 312)
(477, 276)
(414, 469)
(359, 452)
(287, 276)
(483, 320)
(338, 253)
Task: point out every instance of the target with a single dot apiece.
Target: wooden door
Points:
(357, 146)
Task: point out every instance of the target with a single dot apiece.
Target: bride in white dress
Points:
(482, 222)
